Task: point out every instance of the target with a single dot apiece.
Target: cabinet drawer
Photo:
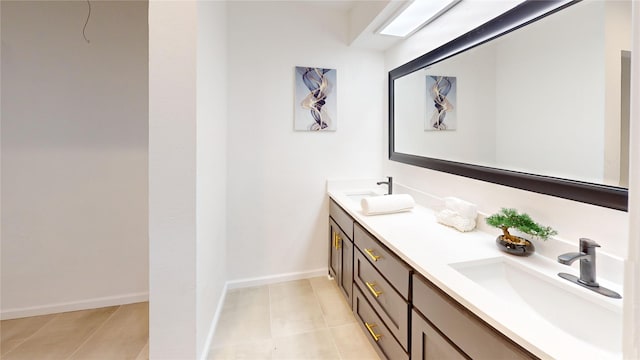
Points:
(428, 344)
(472, 335)
(341, 218)
(384, 343)
(389, 265)
(392, 308)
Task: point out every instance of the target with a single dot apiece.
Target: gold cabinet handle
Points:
(375, 292)
(370, 327)
(372, 255)
(338, 239)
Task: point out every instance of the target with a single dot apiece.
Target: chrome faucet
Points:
(587, 257)
(389, 183)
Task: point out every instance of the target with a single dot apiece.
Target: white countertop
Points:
(430, 247)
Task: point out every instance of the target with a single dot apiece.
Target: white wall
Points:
(277, 206)
(211, 162)
(187, 174)
(74, 156)
(0, 156)
(572, 219)
(172, 179)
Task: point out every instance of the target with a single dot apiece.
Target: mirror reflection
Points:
(551, 98)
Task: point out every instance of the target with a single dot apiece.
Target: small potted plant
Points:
(510, 219)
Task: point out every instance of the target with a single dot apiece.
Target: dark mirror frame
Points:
(520, 16)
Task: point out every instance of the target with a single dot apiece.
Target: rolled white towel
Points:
(387, 204)
(453, 219)
(463, 208)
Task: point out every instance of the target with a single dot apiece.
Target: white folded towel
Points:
(461, 207)
(455, 220)
(387, 204)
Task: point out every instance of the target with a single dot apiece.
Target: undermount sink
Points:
(578, 312)
(357, 196)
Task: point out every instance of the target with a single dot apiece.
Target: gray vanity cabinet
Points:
(396, 271)
(378, 333)
(428, 344)
(467, 335)
(403, 314)
(341, 249)
(373, 264)
(346, 280)
(335, 254)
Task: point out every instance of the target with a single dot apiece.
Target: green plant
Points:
(509, 218)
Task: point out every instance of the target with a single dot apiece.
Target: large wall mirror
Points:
(537, 102)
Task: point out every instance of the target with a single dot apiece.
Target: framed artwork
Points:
(315, 99)
(441, 103)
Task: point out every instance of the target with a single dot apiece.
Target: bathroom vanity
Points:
(416, 289)
(425, 291)
(377, 283)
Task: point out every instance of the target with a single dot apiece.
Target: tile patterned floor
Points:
(303, 319)
(116, 332)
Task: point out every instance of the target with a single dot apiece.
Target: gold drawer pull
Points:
(370, 327)
(372, 255)
(336, 241)
(375, 292)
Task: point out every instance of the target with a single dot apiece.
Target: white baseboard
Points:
(273, 279)
(74, 306)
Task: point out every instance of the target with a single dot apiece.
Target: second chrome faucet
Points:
(587, 257)
(389, 183)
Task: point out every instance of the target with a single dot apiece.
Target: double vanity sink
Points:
(535, 292)
(357, 196)
(524, 299)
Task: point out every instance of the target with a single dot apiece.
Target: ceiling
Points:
(365, 17)
(465, 16)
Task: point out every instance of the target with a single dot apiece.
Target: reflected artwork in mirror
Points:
(544, 106)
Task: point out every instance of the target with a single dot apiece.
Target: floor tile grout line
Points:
(141, 350)
(326, 323)
(94, 332)
(335, 344)
(316, 291)
(344, 300)
(236, 342)
(315, 296)
(32, 335)
(317, 303)
(271, 338)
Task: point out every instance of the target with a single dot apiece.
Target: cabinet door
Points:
(346, 280)
(428, 344)
(335, 254)
(470, 334)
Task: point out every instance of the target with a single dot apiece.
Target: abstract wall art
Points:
(441, 103)
(315, 103)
